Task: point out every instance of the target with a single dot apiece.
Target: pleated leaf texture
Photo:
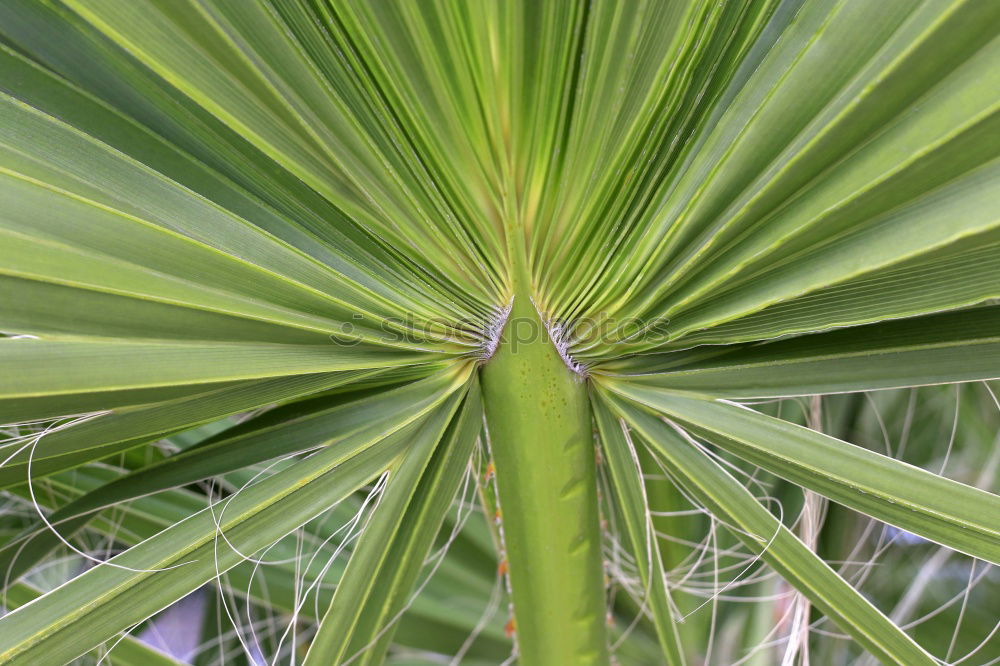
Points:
(280, 246)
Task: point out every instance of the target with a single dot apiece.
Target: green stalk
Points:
(541, 436)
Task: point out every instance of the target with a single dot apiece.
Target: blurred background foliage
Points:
(736, 610)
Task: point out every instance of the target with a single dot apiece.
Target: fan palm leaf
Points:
(446, 245)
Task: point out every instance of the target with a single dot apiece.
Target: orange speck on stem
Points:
(509, 628)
